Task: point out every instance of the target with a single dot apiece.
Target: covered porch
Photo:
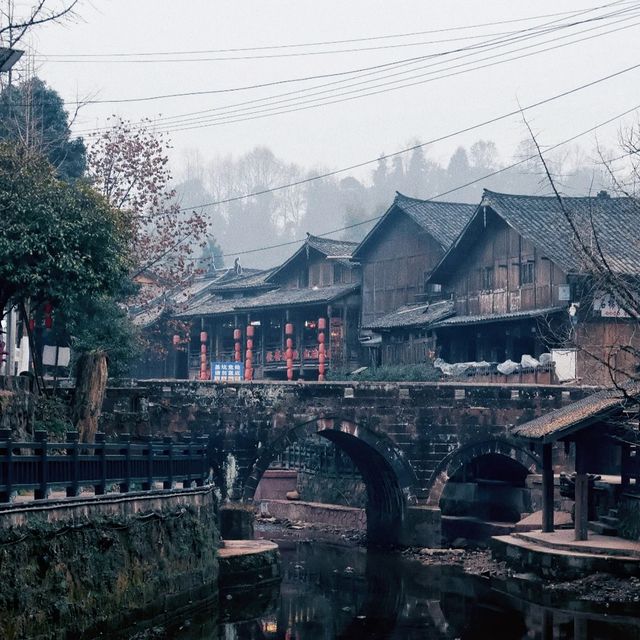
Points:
(284, 334)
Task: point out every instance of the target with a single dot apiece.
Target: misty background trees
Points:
(344, 200)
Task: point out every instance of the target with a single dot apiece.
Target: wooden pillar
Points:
(345, 350)
(547, 624)
(218, 328)
(322, 356)
(625, 460)
(581, 516)
(263, 337)
(289, 329)
(547, 488)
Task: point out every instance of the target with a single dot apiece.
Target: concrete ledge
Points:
(596, 544)
(332, 514)
(110, 504)
(248, 564)
(527, 556)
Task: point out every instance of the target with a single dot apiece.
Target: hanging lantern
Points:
(322, 324)
(249, 343)
(288, 329)
(203, 336)
(237, 334)
(176, 340)
(289, 343)
(250, 331)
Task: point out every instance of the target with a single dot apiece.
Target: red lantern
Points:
(321, 358)
(203, 336)
(322, 323)
(249, 343)
(203, 349)
(321, 348)
(289, 354)
(248, 354)
(288, 328)
(321, 338)
(321, 369)
(250, 331)
(176, 339)
(289, 363)
(289, 343)
(237, 334)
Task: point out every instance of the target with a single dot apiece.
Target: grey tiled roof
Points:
(215, 305)
(443, 220)
(412, 316)
(331, 247)
(293, 297)
(514, 315)
(254, 280)
(613, 221)
(577, 415)
(212, 305)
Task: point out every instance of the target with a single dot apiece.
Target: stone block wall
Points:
(85, 566)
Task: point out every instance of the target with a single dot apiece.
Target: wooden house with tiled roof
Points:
(396, 258)
(314, 294)
(521, 283)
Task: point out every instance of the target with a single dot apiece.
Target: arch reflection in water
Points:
(331, 592)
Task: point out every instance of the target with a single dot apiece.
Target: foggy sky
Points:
(346, 133)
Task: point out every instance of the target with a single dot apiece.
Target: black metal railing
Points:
(43, 465)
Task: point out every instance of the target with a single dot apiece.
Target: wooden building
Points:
(295, 321)
(522, 284)
(601, 433)
(396, 258)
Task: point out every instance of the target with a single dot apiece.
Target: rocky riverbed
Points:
(599, 589)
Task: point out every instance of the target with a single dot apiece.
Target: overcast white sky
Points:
(348, 132)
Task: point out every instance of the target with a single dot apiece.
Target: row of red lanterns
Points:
(248, 362)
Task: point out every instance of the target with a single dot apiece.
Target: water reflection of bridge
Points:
(334, 592)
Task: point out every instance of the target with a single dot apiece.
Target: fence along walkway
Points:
(42, 465)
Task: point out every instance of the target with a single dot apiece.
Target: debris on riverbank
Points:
(601, 588)
(598, 588)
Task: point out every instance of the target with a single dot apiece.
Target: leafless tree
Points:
(605, 283)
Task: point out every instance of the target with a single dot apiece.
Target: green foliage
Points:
(100, 324)
(51, 414)
(34, 114)
(58, 242)
(396, 373)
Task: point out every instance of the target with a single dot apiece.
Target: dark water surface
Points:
(331, 591)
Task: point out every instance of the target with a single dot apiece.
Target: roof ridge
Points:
(432, 201)
(553, 197)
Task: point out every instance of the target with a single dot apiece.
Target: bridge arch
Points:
(458, 459)
(388, 477)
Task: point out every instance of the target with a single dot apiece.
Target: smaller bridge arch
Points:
(456, 460)
(388, 477)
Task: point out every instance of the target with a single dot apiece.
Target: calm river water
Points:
(331, 591)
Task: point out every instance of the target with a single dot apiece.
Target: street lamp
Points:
(8, 57)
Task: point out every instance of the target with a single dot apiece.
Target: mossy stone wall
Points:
(73, 572)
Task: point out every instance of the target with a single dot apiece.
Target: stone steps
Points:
(557, 562)
(591, 548)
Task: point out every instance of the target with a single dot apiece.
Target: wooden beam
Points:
(547, 488)
(581, 515)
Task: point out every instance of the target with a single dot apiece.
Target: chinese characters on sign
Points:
(227, 371)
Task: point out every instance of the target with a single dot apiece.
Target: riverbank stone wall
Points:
(82, 567)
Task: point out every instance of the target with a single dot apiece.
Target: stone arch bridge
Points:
(407, 439)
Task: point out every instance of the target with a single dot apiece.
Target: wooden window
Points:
(486, 278)
(527, 272)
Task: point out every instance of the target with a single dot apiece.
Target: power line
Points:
(71, 57)
(269, 110)
(417, 146)
(173, 122)
(449, 191)
(299, 79)
(332, 42)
